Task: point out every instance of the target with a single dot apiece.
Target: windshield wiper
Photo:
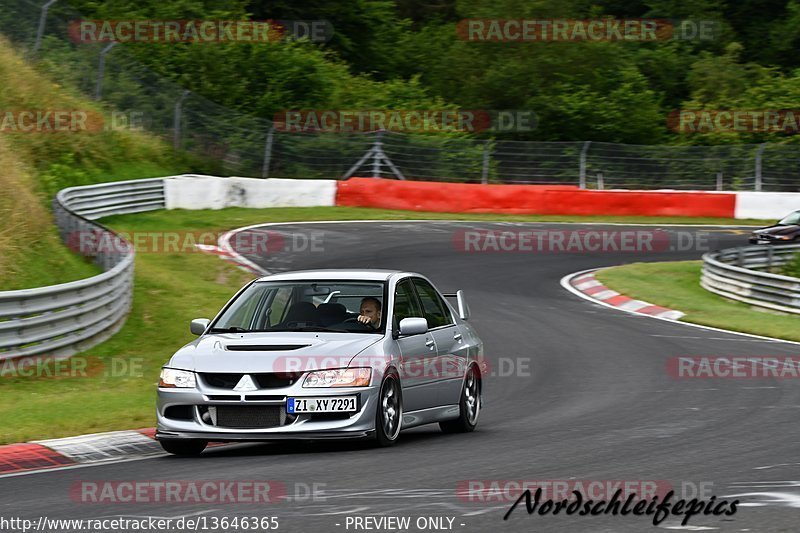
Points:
(232, 329)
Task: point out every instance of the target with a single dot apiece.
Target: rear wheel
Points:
(469, 405)
(184, 447)
(389, 411)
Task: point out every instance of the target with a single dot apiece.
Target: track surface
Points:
(598, 405)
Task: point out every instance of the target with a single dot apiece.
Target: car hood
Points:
(271, 352)
(779, 229)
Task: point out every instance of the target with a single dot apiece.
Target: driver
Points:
(370, 312)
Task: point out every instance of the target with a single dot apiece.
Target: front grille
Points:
(271, 380)
(277, 380)
(248, 417)
(222, 381)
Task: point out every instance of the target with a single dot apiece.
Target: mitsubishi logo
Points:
(245, 384)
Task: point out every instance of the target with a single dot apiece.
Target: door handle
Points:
(429, 343)
(457, 337)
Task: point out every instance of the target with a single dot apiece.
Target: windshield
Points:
(335, 306)
(793, 218)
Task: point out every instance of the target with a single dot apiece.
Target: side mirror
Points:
(199, 325)
(413, 326)
(463, 307)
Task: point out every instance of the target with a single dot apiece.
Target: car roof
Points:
(372, 274)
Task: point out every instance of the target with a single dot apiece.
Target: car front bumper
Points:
(194, 402)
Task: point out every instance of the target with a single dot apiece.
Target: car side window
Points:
(405, 302)
(279, 304)
(433, 306)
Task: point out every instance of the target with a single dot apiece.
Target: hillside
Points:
(36, 164)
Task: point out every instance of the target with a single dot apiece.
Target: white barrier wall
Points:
(766, 205)
(211, 192)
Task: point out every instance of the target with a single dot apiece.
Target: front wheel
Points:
(389, 411)
(469, 405)
(184, 447)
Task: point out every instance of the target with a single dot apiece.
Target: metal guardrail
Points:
(61, 320)
(742, 274)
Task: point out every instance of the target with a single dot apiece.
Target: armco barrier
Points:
(739, 274)
(61, 320)
(529, 199)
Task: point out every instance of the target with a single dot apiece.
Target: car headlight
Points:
(182, 379)
(339, 377)
(783, 237)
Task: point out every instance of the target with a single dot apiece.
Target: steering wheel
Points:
(351, 319)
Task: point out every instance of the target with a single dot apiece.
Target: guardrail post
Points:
(267, 152)
(600, 184)
(486, 158)
(101, 69)
(719, 181)
(769, 257)
(42, 23)
(582, 171)
(176, 120)
(759, 157)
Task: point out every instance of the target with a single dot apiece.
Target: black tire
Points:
(184, 447)
(390, 395)
(469, 404)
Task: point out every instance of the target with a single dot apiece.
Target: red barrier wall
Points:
(528, 199)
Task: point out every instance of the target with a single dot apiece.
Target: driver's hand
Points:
(363, 319)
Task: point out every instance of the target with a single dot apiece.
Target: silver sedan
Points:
(324, 354)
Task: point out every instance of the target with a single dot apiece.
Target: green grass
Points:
(46, 262)
(677, 285)
(170, 290)
(180, 219)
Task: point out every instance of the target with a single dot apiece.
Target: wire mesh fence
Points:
(251, 146)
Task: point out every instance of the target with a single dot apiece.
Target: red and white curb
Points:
(231, 257)
(588, 285)
(80, 450)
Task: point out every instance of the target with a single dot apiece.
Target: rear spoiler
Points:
(463, 308)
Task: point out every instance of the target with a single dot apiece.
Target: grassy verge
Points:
(169, 290)
(180, 219)
(677, 285)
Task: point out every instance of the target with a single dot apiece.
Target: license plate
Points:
(338, 404)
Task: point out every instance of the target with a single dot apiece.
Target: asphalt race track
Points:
(588, 398)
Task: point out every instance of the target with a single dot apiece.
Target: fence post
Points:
(582, 172)
(101, 68)
(486, 156)
(42, 22)
(600, 184)
(377, 155)
(267, 152)
(759, 155)
(719, 181)
(176, 120)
